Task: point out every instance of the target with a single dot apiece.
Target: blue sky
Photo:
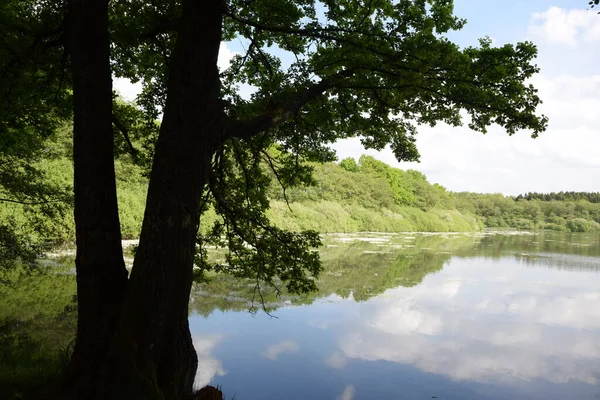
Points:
(505, 20)
(566, 157)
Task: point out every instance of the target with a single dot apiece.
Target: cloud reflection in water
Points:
(502, 326)
(208, 366)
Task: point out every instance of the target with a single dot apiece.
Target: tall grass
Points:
(330, 216)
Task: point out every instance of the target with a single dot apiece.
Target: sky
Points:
(565, 157)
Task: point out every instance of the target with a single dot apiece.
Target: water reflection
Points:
(460, 317)
(347, 394)
(37, 324)
(209, 365)
(286, 346)
(498, 324)
(398, 316)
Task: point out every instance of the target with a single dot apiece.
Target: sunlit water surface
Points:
(415, 317)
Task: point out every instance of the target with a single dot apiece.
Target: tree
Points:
(321, 72)
(349, 164)
(33, 103)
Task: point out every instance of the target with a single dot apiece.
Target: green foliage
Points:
(131, 195)
(398, 180)
(593, 197)
(33, 85)
(27, 230)
(499, 211)
(349, 164)
(583, 225)
(35, 103)
(371, 196)
(345, 197)
(14, 251)
(327, 216)
(383, 66)
(35, 202)
(256, 248)
(323, 198)
(134, 136)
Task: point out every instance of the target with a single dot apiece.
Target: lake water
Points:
(410, 316)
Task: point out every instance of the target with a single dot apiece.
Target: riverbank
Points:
(349, 196)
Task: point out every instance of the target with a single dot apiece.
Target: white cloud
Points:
(565, 157)
(208, 366)
(566, 27)
(225, 56)
(275, 350)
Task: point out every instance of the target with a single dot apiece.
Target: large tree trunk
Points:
(101, 273)
(153, 355)
(133, 338)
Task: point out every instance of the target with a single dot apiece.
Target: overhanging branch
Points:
(286, 109)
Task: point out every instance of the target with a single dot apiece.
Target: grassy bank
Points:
(329, 216)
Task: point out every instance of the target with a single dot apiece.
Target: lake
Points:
(414, 316)
(402, 316)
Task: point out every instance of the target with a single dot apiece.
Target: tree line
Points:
(345, 196)
(592, 197)
(498, 211)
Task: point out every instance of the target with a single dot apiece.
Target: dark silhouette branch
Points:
(123, 129)
(28, 203)
(285, 109)
(326, 33)
(271, 165)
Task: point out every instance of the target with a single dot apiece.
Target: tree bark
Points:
(153, 354)
(101, 273)
(133, 337)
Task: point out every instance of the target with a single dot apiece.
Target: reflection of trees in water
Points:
(367, 274)
(366, 269)
(362, 268)
(359, 268)
(496, 246)
(564, 262)
(565, 251)
(37, 323)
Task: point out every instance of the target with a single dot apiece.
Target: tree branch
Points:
(163, 26)
(274, 169)
(284, 110)
(125, 133)
(28, 203)
(326, 33)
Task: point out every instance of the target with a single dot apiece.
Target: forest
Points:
(364, 195)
